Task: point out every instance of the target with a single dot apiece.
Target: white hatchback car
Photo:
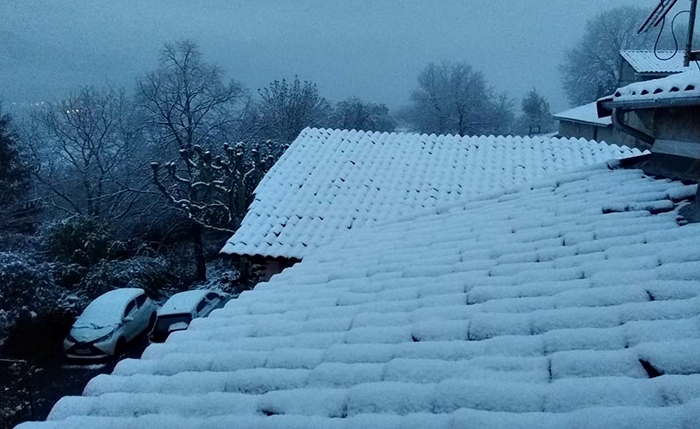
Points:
(178, 311)
(109, 323)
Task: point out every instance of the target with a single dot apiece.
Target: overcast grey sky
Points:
(373, 49)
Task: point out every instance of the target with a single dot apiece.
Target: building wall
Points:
(577, 130)
(260, 268)
(679, 123)
(627, 74)
(607, 134)
(275, 266)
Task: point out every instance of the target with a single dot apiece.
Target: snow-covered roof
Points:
(332, 180)
(586, 114)
(573, 302)
(682, 88)
(658, 62)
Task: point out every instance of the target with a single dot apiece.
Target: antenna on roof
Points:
(659, 14)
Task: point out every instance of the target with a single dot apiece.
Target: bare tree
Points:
(286, 108)
(454, 98)
(186, 101)
(85, 152)
(591, 69)
(354, 113)
(190, 111)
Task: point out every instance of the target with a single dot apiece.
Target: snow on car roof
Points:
(572, 302)
(183, 302)
(108, 307)
(333, 180)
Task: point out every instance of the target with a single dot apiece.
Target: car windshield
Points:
(164, 322)
(99, 314)
(91, 325)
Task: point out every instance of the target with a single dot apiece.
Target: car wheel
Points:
(120, 348)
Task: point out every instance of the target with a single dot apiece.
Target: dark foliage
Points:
(17, 212)
(150, 274)
(80, 240)
(355, 114)
(453, 98)
(286, 108)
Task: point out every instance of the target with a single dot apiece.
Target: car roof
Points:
(184, 302)
(109, 306)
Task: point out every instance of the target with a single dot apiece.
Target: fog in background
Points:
(370, 49)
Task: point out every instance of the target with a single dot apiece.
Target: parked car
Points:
(178, 311)
(109, 323)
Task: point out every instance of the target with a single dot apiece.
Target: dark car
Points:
(177, 313)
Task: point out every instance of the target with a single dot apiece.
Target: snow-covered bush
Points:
(150, 274)
(25, 283)
(222, 276)
(80, 240)
(26, 289)
(14, 242)
(68, 276)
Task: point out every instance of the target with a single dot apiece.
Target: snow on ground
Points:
(565, 304)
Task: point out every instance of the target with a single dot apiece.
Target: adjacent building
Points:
(583, 122)
(666, 114)
(635, 66)
(331, 181)
(642, 65)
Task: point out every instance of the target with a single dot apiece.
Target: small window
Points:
(130, 308)
(141, 300)
(201, 306)
(212, 296)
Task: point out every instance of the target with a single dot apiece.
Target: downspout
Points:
(619, 123)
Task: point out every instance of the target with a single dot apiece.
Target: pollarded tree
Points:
(454, 98)
(356, 114)
(286, 108)
(591, 69)
(219, 190)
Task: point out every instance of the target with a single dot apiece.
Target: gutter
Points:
(608, 104)
(619, 123)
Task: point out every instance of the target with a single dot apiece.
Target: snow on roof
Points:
(657, 91)
(570, 303)
(332, 180)
(586, 114)
(183, 301)
(654, 62)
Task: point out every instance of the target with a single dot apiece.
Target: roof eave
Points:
(579, 121)
(606, 105)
